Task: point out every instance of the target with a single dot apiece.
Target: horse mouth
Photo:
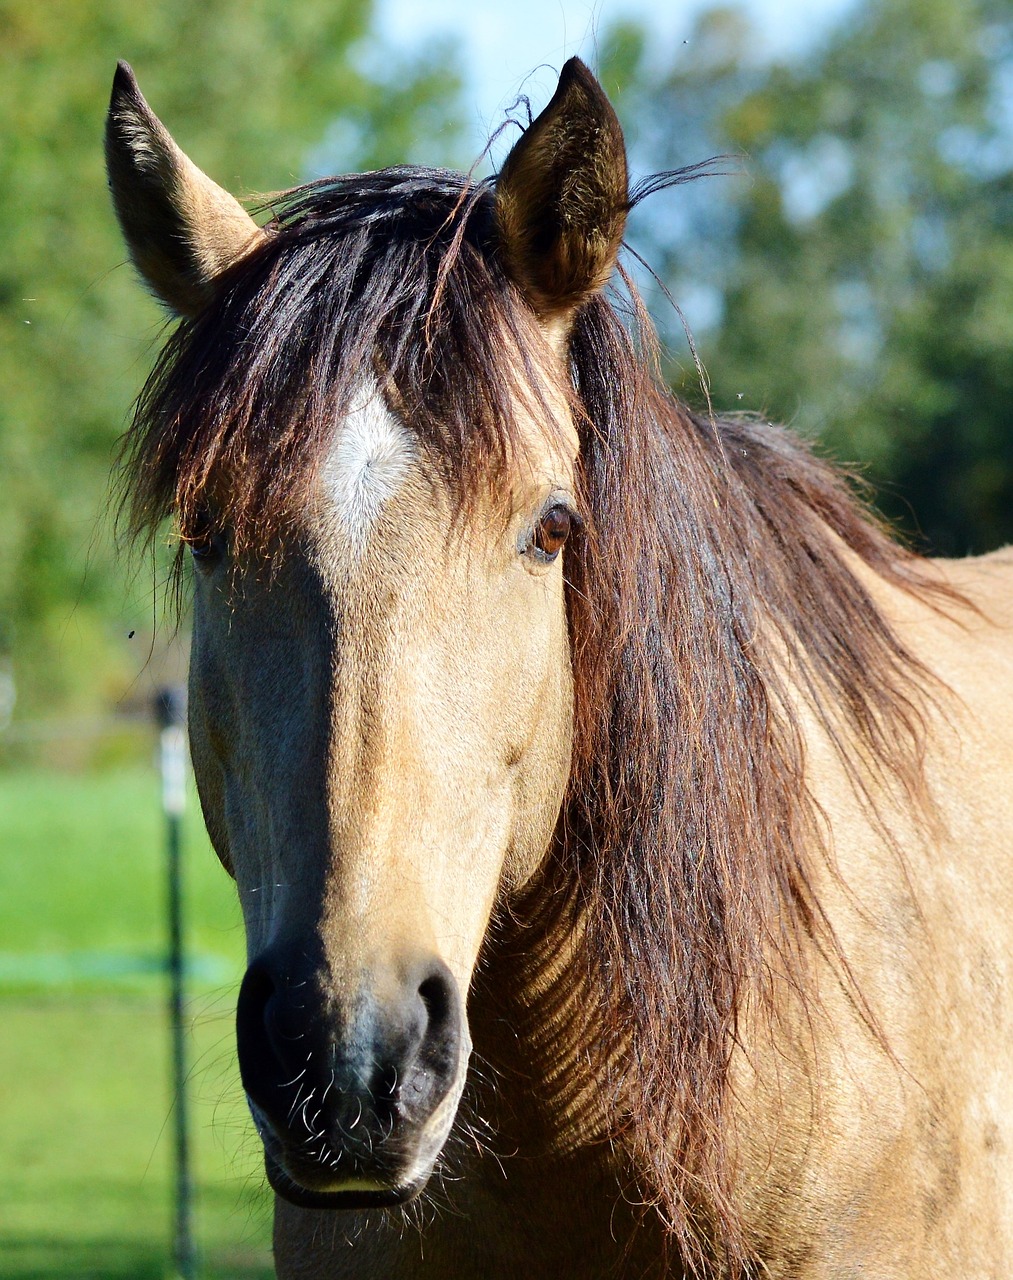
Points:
(359, 1194)
(300, 1177)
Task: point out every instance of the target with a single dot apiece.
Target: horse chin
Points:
(357, 1193)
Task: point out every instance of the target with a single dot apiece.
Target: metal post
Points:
(170, 709)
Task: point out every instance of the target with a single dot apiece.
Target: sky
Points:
(516, 46)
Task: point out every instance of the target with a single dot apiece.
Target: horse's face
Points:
(381, 719)
(380, 731)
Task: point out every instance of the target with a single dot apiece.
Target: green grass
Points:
(85, 1096)
(82, 869)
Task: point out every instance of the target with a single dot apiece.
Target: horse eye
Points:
(203, 548)
(201, 538)
(552, 531)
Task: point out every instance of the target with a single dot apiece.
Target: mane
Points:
(717, 600)
(390, 273)
(716, 558)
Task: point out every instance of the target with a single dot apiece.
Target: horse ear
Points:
(181, 228)
(562, 197)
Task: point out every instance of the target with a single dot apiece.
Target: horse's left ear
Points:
(562, 198)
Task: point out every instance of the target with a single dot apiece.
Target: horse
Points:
(621, 818)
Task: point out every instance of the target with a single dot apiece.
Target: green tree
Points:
(252, 89)
(859, 275)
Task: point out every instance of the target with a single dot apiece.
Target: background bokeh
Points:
(851, 273)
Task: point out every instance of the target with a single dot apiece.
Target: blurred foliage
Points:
(856, 278)
(251, 89)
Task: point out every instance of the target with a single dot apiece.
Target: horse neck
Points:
(540, 1090)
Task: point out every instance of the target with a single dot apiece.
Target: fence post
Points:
(170, 710)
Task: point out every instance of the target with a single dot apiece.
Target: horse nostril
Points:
(438, 993)
(254, 995)
(255, 1042)
(435, 1061)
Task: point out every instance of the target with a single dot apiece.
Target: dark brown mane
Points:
(392, 272)
(718, 566)
(712, 562)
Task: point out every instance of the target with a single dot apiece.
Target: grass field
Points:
(85, 1096)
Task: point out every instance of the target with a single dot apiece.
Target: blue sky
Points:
(508, 44)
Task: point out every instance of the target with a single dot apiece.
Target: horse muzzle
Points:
(353, 1096)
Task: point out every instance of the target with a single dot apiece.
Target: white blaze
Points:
(369, 462)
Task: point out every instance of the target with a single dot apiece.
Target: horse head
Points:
(366, 433)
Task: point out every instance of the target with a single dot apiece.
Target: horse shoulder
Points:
(875, 1118)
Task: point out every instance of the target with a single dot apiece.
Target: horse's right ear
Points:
(181, 228)
(562, 198)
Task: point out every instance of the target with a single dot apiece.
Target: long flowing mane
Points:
(711, 592)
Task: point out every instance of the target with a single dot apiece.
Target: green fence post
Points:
(170, 710)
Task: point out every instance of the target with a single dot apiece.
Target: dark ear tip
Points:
(125, 84)
(579, 96)
(575, 69)
(578, 76)
(127, 112)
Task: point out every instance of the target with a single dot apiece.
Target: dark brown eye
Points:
(199, 535)
(552, 531)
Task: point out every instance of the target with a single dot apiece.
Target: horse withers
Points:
(621, 820)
